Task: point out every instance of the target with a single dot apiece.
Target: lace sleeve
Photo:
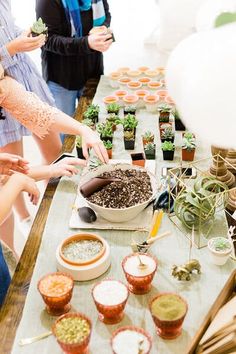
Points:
(26, 107)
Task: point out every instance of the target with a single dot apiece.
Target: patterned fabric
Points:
(26, 107)
(20, 67)
(73, 9)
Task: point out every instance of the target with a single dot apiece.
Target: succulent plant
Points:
(148, 136)
(105, 129)
(164, 107)
(149, 147)
(113, 108)
(167, 133)
(78, 141)
(129, 122)
(221, 244)
(130, 109)
(39, 27)
(189, 144)
(92, 112)
(188, 135)
(88, 122)
(168, 146)
(108, 144)
(129, 135)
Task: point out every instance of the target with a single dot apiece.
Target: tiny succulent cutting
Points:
(39, 28)
(189, 141)
(221, 244)
(113, 108)
(148, 136)
(167, 133)
(129, 109)
(149, 147)
(164, 108)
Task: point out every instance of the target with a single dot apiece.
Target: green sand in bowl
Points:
(168, 308)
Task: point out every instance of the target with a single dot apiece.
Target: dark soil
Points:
(133, 188)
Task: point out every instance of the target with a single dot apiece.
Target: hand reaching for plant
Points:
(10, 163)
(66, 167)
(91, 140)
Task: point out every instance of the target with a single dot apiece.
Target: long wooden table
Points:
(11, 311)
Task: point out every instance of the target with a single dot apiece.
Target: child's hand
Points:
(66, 167)
(10, 163)
(27, 184)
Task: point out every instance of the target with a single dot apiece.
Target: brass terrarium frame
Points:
(208, 226)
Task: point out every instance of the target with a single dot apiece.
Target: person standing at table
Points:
(13, 45)
(71, 55)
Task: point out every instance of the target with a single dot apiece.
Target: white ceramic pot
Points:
(219, 257)
(118, 215)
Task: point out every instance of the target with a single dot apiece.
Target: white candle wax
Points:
(132, 265)
(127, 342)
(110, 292)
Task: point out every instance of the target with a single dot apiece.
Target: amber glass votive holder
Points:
(133, 329)
(73, 348)
(57, 305)
(142, 284)
(168, 329)
(110, 314)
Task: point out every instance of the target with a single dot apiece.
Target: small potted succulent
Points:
(179, 126)
(164, 112)
(150, 151)
(92, 112)
(89, 122)
(105, 131)
(39, 28)
(108, 145)
(220, 249)
(78, 144)
(113, 108)
(129, 139)
(167, 134)
(129, 110)
(138, 159)
(113, 119)
(147, 137)
(168, 149)
(188, 146)
(129, 123)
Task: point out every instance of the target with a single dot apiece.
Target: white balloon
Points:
(201, 78)
(208, 12)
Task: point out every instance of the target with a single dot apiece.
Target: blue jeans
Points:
(5, 278)
(65, 99)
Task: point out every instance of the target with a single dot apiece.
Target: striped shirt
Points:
(21, 68)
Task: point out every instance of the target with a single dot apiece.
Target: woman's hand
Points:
(10, 163)
(66, 167)
(25, 43)
(92, 140)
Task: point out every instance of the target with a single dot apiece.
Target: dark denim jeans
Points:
(5, 278)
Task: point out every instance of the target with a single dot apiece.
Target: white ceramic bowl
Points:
(118, 215)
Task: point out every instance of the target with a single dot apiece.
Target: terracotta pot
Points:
(168, 329)
(144, 80)
(188, 155)
(169, 100)
(162, 94)
(134, 85)
(110, 99)
(109, 152)
(123, 81)
(74, 348)
(138, 159)
(151, 102)
(134, 74)
(141, 94)
(154, 85)
(113, 79)
(123, 70)
(152, 74)
(131, 100)
(143, 69)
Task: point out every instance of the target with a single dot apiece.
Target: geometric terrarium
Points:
(199, 200)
